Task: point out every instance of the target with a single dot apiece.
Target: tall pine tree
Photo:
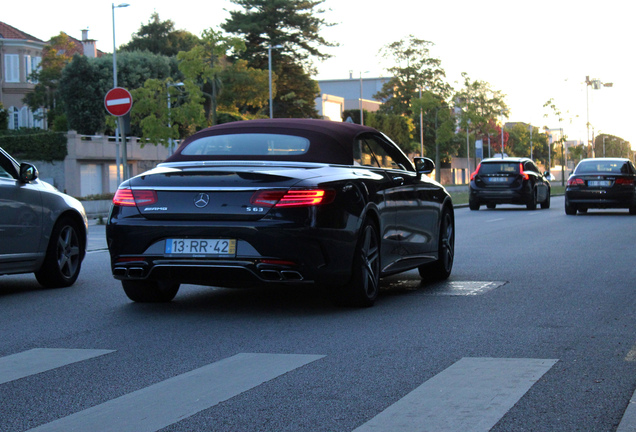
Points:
(295, 26)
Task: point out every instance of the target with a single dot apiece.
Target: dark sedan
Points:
(508, 181)
(601, 183)
(281, 201)
(42, 230)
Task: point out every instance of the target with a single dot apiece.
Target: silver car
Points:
(42, 230)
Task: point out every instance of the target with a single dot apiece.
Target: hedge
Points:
(34, 144)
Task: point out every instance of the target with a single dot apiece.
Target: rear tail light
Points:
(523, 173)
(293, 198)
(624, 181)
(131, 198)
(575, 182)
(472, 176)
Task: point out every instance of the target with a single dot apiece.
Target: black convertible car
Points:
(280, 201)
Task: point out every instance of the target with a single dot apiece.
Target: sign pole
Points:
(124, 148)
(118, 102)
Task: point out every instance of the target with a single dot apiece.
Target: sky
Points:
(531, 52)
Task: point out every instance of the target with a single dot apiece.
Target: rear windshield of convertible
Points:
(247, 144)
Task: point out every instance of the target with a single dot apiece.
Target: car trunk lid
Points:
(217, 192)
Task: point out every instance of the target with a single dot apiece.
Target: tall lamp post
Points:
(422, 128)
(596, 84)
(269, 63)
(119, 120)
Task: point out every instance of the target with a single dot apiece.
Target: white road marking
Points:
(494, 220)
(39, 360)
(167, 402)
(471, 395)
(464, 288)
(631, 355)
(628, 422)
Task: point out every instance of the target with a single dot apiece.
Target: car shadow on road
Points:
(283, 301)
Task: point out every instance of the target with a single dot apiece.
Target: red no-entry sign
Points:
(118, 101)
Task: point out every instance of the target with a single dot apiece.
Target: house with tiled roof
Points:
(20, 54)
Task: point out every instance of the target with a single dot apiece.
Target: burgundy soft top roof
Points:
(330, 141)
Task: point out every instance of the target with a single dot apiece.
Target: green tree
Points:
(413, 69)
(159, 123)
(55, 56)
(160, 37)
(478, 106)
(294, 25)
(398, 128)
(204, 64)
(83, 96)
(440, 142)
(245, 89)
(92, 78)
(606, 145)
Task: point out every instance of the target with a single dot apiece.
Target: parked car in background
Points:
(281, 201)
(508, 181)
(41, 229)
(601, 183)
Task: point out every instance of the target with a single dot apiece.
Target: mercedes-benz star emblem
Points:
(201, 200)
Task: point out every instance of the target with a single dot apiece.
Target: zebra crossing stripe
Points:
(39, 360)
(162, 404)
(471, 395)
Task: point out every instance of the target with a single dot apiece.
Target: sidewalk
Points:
(96, 236)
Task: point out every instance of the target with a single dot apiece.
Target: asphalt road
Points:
(534, 331)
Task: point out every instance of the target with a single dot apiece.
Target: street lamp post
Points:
(118, 161)
(422, 129)
(269, 63)
(596, 85)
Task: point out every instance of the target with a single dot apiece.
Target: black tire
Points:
(64, 254)
(546, 204)
(491, 206)
(442, 267)
(582, 210)
(150, 291)
(473, 205)
(532, 202)
(364, 285)
(570, 209)
(632, 210)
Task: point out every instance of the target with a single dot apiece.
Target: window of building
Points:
(11, 68)
(32, 64)
(14, 118)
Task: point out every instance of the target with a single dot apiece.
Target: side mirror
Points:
(28, 173)
(424, 165)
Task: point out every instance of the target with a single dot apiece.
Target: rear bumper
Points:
(277, 253)
(519, 195)
(601, 198)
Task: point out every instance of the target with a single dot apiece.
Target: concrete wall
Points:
(101, 151)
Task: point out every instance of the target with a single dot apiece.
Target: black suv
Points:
(508, 181)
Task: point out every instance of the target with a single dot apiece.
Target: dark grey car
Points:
(42, 230)
(509, 180)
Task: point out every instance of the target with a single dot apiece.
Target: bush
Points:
(34, 144)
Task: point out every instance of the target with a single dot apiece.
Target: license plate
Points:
(207, 247)
(498, 179)
(599, 183)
